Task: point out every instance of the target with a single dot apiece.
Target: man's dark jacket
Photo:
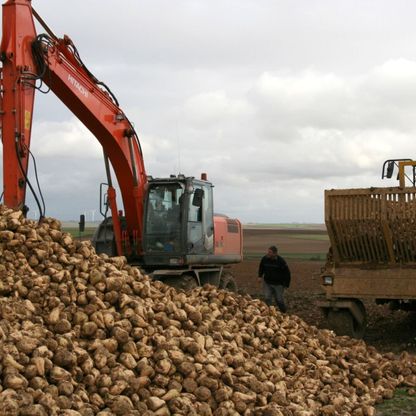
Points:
(275, 271)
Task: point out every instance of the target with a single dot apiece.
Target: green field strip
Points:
(285, 226)
(293, 256)
(402, 404)
(74, 231)
(315, 237)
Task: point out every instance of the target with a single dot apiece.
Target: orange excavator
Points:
(167, 225)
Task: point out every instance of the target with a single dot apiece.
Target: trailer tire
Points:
(342, 322)
(227, 282)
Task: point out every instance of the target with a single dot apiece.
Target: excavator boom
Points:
(28, 59)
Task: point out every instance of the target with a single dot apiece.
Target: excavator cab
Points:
(178, 222)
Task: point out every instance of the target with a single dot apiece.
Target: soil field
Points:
(305, 244)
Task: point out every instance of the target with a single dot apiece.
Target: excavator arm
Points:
(29, 59)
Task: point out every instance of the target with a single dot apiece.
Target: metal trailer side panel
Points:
(387, 283)
(372, 226)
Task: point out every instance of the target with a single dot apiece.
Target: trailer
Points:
(372, 251)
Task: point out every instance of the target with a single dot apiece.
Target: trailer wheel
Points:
(227, 282)
(342, 322)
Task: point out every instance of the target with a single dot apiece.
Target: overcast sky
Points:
(276, 100)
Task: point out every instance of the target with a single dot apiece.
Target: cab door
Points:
(200, 221)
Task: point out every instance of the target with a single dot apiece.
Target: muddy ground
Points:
(387, 330)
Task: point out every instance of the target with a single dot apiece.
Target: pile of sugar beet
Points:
(85, 334)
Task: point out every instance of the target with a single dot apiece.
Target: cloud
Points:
(319, 121)
(69, 139)
(273, 104)
(270, 149)
(213, 108)
(294, 132)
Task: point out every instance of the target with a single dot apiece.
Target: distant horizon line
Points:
(243, 223)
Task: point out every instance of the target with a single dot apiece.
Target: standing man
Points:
(276, 277)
